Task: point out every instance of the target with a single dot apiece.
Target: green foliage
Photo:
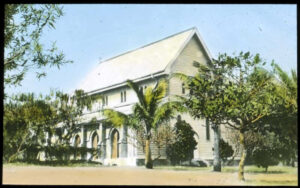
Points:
(116, 118)
(56, 152)
(234, 91)
(283, 121)
(60, 152)
(70, 109)
(226, 150)
(267, 150)
(185, 144)
(26, 119)
(23, 27)
(264, 157)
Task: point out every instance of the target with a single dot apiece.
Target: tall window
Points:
(183, 88)
(105, 100)
(123, 96)
(207, 130)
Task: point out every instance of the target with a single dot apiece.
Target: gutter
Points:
(149, 76)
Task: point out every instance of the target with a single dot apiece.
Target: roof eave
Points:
(121, 84)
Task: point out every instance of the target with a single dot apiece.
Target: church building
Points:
(144, 66)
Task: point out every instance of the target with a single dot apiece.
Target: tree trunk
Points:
(12, 157)
(217, 159)
(242, 161)
(148, 160)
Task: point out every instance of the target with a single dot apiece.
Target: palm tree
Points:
(149, 113)
(286, 108)
(288, 86)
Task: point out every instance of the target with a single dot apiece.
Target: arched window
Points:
(114, 144)
(77, 141)
(95, 140)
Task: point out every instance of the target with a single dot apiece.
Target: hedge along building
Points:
(145, 66)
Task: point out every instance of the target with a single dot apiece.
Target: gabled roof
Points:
(148, 60)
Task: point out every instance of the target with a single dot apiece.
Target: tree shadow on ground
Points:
(259, 171)
(271, 182)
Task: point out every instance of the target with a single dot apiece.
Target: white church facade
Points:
(145, 66)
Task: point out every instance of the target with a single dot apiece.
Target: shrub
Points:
(226, 150)
(185, 144)
(265, 157)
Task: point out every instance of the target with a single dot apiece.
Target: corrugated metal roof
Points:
(135, 64)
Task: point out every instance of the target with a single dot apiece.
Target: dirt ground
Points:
(41, 175)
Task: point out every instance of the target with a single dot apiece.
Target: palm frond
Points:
(284, 77)
(167, 111)
(181, 76)
(179, 98)
(158, 93)
(161, 89)
(148, 96)
(116, 118)
(140, 112)
(137, 91)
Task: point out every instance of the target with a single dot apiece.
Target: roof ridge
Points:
(192, 28)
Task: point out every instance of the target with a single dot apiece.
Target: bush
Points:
(185, 144)
(64, 152)
(265, 157)
(226, 150)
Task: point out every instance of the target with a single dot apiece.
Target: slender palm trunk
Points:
(217, 160)
(244, 154)
(148, 160)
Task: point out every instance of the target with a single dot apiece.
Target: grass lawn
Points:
(276, 175)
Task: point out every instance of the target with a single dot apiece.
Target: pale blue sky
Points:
(89, 32)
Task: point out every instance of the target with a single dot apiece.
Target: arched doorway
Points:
(114, 144)
(95, 140)
(77, 144)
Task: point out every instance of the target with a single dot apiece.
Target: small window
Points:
(121, 96)
(183, 88)
(207, 130)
